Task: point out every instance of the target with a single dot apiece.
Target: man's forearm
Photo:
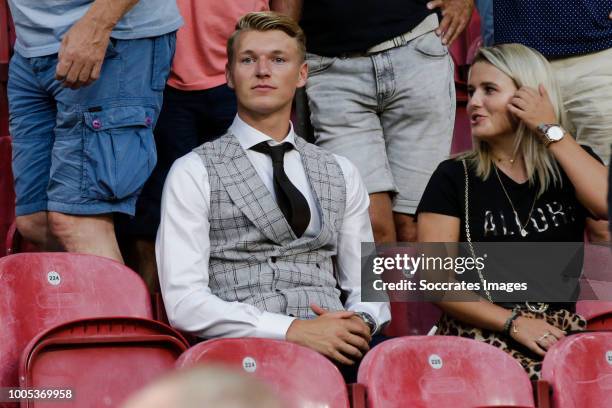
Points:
(291, 8)
(107, 13)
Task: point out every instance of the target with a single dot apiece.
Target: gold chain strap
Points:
(467, 229)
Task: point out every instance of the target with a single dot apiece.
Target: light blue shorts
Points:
(391, 114)
(89, 150)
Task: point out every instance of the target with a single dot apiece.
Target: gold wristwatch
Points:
(551, 133)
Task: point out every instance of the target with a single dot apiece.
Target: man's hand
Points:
(533, 107)
(83, 47)
(82, 53)
(456, 15)
(341, 336)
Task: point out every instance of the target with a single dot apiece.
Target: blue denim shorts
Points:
(89, 150)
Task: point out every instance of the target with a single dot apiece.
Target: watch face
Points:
(555, 133)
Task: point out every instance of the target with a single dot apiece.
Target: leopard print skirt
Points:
(531, 362)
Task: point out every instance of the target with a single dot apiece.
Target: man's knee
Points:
(63, 226)
(32, 227)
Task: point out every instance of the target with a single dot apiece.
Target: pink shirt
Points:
(199, 62)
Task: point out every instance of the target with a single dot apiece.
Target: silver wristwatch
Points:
(369, 321)
(551, 133)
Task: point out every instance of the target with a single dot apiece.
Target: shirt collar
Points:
(248, 136)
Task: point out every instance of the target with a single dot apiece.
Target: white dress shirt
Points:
(183, 245)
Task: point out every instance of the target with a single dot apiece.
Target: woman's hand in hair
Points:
(535, 334)
(533, 107)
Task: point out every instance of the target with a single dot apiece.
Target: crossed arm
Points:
(183, 251)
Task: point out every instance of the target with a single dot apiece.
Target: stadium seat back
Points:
(442, 371)
(411, 318)
(102, 361)
(302, 377)
(598, 314)
(17, 244)
(462, 134)
(596, 287)
(7, 194)
(41, 290)
(579, 369)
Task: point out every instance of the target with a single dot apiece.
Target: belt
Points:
(429, 24)
(525, 306)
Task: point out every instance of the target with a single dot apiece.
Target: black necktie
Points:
(291, 202)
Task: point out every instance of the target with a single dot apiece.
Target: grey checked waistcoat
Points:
(255, 257)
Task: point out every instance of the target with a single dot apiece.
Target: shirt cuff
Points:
(273, 325)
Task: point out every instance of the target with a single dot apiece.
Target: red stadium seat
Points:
(579, 369)
(598, 313)
(16, 244)
(462, 135)
(7, 194)
(7, 38)
(41, 290)
(410, 315)
(411, 318)
(442, 371)
(302, 377)
(596, 284)
(462, 51)
(102, 361)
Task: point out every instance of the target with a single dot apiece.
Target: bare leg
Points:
(139, 255)
(89, 234)
(406, 227)
(598, 230)
(35, 228)
(381, 216)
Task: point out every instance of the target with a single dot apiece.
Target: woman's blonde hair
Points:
(526, 67)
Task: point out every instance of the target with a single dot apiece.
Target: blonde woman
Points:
(528, 181)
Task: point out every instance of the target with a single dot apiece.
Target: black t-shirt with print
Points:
(557, 214)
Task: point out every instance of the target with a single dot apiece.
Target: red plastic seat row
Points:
(416, 371)
(300, 376)
(578, 371)
(423, 371)
(99, 361)
(43, 290)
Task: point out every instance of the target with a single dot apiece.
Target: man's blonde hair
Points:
(267, 21)
(526, 67)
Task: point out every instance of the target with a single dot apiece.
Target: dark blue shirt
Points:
(556, 28)
(335, 27)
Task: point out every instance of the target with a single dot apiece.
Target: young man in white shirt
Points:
(245, 243)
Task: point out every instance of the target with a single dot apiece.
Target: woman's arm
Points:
(443, 228)
(486, 315)
(588, 176)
